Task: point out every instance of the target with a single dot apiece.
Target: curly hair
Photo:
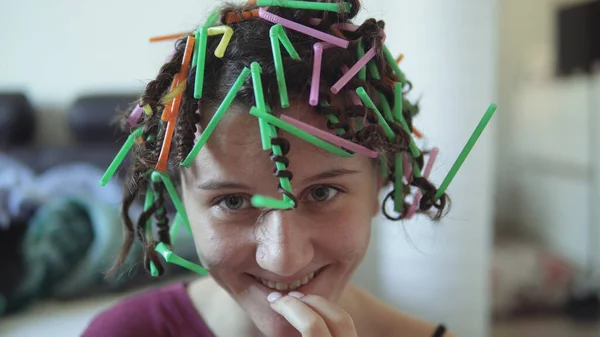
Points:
(251, 43)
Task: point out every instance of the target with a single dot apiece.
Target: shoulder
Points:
(138, 315)
(390, 321)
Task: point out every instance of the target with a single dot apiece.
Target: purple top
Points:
(164, 312)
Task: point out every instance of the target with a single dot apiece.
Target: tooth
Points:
(304, 280)
(281, 286)
(295, 284)
(265, 282)
(311, 276)
(271, 284)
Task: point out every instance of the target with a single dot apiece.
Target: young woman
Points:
(280, 252)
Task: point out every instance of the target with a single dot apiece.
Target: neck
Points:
(225, 317)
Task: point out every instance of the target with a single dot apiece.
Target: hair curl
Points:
(250, 43)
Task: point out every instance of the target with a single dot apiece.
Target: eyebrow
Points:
(329, 174)
(213, 185)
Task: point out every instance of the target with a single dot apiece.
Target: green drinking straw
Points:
(171, 257)
(318, 6)
(174, 197)
(398, 97)
(199, 60)
(278, 35)
(392, 62)
(264, 134)
(334, 119)
(280, 74)
(466, 150)
(174, 230)
(259, 97)
(384, 166)
(149, 200)
(287, 44)
(300, 133)
(410, 107)
(211, 20)
(380, 120)
(414, 150)
(373, 70)
(112, 168)
(153, 269)
(387, 111)
(285, 182)
(398, 188)
(214, 121)
(416, 169)
(260, 201)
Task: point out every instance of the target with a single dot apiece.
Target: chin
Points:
(326, 283)
(277, 326)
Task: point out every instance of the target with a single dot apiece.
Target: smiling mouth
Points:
(280, 286)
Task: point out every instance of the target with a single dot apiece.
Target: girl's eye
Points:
(234, 202)
(322, 193)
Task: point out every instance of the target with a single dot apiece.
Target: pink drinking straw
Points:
(135, 115)
(314, 21)
(353, 95)
(345, 26)
(407, 167)
(428, 167)
(316, 74)
(262, 13)
(333, 139)
(353, 71)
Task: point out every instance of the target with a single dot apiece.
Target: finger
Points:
(299, 315)
(338, 321)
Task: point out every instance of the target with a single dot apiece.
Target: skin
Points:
(327, 233)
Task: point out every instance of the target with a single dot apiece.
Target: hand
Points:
(313, 316)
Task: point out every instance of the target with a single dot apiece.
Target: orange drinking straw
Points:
(400, 58)
(338, 33)
(417, 133)
(233, 17)
(389, 81)
(163, 158)
(169, 37)
(167, 111)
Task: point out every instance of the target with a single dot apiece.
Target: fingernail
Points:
(274, 296)
(296, 294)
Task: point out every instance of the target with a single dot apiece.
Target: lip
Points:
(307, 288)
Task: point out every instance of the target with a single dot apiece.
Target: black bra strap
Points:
(440, 331)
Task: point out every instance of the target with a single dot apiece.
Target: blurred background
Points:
(519, 254)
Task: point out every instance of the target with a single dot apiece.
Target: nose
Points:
(284, 246)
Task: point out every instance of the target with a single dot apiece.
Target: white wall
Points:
(58, 50)
(441, 271)
(548, 178)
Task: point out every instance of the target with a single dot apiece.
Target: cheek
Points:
(219, 245)
(348, 233)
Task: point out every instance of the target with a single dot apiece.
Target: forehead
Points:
(235, 150)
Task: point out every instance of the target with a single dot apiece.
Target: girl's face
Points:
(313, 248)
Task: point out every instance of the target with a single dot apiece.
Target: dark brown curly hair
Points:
(251, 43)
